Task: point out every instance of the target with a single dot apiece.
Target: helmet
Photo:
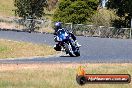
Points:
(58, 25)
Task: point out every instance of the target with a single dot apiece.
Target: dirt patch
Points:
(6, 67)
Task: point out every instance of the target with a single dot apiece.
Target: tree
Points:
(30, 8)
(123, 10)
(75, 11)
(104, 17)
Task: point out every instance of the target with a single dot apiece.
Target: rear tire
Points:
(57, 47)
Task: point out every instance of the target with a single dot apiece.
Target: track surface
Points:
(93, 50)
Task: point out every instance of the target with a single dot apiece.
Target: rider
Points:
(58, 25)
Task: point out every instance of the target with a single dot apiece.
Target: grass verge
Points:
(57, 75)
(13, 49)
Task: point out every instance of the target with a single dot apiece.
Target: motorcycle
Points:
(66, 43)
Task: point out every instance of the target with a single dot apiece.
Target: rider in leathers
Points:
(58, 25)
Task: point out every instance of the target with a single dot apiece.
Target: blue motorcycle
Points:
(66, 43)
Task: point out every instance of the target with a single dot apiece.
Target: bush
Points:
(75, 11)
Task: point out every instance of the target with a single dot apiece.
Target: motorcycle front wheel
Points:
(77, 53)
(69, 50)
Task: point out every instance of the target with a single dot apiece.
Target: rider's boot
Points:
(76, 42)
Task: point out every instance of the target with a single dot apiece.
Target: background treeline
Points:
(116, 13)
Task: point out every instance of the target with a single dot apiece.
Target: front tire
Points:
(68, 49)
(77, 53)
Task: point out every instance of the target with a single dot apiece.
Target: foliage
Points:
(30, 8)
(75, 11)
(104, 17)
(123, 10)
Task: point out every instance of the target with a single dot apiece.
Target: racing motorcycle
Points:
(66, 43)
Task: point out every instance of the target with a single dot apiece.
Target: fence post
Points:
(71, 26)
(130, 33)
(100, 28)
(99, 31)
(131, 29)
(42, 22)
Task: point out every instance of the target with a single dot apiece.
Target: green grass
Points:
(57, 75)
(3, 48)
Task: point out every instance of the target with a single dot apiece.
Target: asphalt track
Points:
(93, 50)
